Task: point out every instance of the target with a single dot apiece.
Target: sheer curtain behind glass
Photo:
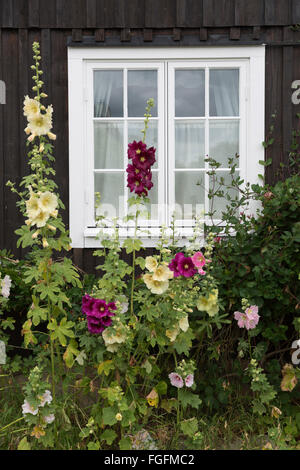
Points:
(108, 134)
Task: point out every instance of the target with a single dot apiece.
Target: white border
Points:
(79, 95)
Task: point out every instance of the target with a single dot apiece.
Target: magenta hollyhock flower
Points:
(107, 321)
(248, 319)
(132, 170)
(95, 328)
(173, 266)
(201, 271)
(111, 307)
(99, 308)
(135, 148)
(186, 267)
(176, 380)
(199, 259)
(189, 380)
(87, 304)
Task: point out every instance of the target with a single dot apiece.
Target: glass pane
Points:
(142, 85)
(217, 203)
(189, 93)
(224, 92)
(189, 195)
(189, 144)
(134, 133)
(111, 189)
(153, 196)
(108, 142)
(108, 93)
(223, 140)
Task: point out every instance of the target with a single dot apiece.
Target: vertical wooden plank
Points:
(91, 12)
(296, 108)
(134, 13)
(110, 14)
(12, 218)
(295, 12)
(160, 14)
(46, 63)
(21, 13)
(47, 13)
(277, 12)
(78, 16)
(24, 51)
(218, 13)
(67, 13)
(2, 180)
(249, 13)
(59, 99)
(7, 14)
(189, 14)
(33, 13)
(273, 102)
(287, 112)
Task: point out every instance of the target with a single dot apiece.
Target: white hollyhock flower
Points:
(49, 419)
(27, 408)
(48, 202)
(5, 286)
(31, 108)
(46, 398)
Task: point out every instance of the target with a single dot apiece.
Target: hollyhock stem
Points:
(133, 266)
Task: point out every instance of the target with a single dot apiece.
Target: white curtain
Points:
(224, 92)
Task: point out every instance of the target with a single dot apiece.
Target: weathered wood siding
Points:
(54, 22)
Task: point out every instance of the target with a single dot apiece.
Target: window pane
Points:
(108, 142)
(134, 133)
(189, 144)
(189, 93)
(219, 204)
(223, 140)
(108, 93)
(224, 92)
(142, 85)
(153, 196)
(189, 196)
(111, 189)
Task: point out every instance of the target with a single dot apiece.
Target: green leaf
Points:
(125, 443)
(189, 427)
(109, 416)
(188, 398)
(24, 444)
(109, 435)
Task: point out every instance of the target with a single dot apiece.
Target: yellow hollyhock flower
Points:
(40, 124)
(151, 263)
(48, 202)
(32, 206)
(31, 108)
(173, 333)
(152, 398)
(162, 273)
(156, 287)
(40, 219)
(209, 304)
(184, 323)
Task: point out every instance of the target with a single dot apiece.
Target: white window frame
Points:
(249, 59)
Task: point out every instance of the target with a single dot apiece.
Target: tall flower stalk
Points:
(44, 231)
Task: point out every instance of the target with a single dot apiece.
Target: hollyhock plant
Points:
(98, 313)
(139, 178)
(248, 319)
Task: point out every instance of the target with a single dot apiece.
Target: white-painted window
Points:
(209, 101)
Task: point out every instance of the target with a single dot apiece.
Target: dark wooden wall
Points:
(54, 23)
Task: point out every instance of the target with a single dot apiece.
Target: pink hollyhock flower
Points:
(27, 408)
(199, 259)
(189, 380)
(248, 319)
(186, 267)
(176, 380)
(135, 148)
(173, 266)
(201, 271)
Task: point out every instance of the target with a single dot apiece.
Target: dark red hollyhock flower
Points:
(135, 148)
(132, 170)
(111, 307)
(135, 184)
(95, 326)
(144, 160)
(147, 179)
